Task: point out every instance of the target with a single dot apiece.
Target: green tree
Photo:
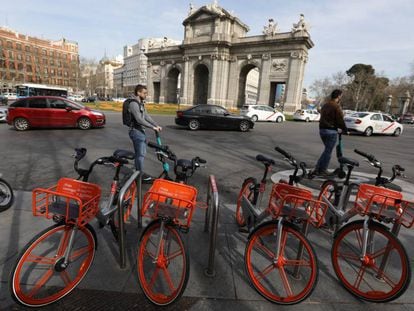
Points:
(362, 76)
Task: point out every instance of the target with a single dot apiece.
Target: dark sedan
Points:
(214, 117)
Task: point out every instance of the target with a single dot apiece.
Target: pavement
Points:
(107, 287)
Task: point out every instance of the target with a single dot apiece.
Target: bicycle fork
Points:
(161, 245)
(63, 265)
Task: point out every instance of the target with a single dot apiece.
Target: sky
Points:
(345, 32)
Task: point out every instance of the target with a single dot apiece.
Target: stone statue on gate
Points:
(271, 28)
(301, 25)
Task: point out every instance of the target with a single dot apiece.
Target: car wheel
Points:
(368, 131)
(21, 124)
(307, 120)
(84, 123)
(279, 119)
(397, 132)
(244, 126)
(255, 118)
(194, 125)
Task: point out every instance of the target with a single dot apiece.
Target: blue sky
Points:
(345, 32)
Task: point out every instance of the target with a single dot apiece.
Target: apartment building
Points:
(27, 59)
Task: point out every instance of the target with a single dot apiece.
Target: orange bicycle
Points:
(163, 260)
(56, 260)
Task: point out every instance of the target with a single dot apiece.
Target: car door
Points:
(60, 114)
(268, 113)
(37, 111)
(220, 118)
(376, 122)
(388, 125)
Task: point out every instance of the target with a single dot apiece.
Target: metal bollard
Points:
(210, 271)
(121, 236)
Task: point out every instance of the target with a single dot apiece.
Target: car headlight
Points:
(98, 114)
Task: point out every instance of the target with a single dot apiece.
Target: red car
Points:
(50, 111)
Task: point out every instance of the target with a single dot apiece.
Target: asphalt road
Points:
(39, 157)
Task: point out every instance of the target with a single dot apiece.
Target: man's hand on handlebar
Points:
(157, 128)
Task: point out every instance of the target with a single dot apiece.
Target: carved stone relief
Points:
(279, 65)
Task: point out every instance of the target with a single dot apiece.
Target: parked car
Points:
(262, 113)
(214, 117)
(10, 96)
(348, 112)
(51, 111)
(306, 115)
(407, 118)
(3, 99)
(75, 97)
(3, 114)
(369, 123)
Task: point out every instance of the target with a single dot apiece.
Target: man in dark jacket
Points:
(331, 124)
(140, 120)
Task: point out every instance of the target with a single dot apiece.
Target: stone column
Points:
(211, 97)
(163, 82)
(185, 79)
(150, 85)
(233, 82)
(293, 92)
(264, 81)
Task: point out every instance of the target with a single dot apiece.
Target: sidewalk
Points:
(107, 287)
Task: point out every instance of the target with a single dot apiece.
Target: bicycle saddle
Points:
(124, 154)
(264, 160)
(348, 161)
(184, 164)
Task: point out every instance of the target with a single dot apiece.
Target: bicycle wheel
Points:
(39, 278)
(248, 191)
(288, 279)
(163, 265)
(365, 277)
(6, 195)
(329, 192)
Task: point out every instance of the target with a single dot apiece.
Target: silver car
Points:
(3, 113)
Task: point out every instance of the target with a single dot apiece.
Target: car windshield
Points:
(74, 105)
(359, 114)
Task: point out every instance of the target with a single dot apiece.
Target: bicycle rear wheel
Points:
(163, 264)
(288, 279)
(39, 277)
(366, 277)
(248, 191)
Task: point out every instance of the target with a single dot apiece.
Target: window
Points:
(376, 117)
(28, 58)
(52, 63)
(20, 66)
(45, 61)
(218, 110)
(387, 118)
(19, 57)
(9, 44)
(44, 52)
(19, 103)
(51, 53)
(28, 68)
(18, 46)
(37, 103)
(10, 54)
(27, 48)
(57, 104)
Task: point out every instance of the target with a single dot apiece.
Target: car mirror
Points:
(226, 114)
(68, 109)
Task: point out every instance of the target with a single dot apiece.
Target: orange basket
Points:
(171, 200)
(296, 203)
(384, 203)
(75, 200)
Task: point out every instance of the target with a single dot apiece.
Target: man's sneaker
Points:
(146, 178)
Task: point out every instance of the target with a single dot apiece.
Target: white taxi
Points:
(369, 123)
(262, 113)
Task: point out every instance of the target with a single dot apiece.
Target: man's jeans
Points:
(329, 138)
(140, 147)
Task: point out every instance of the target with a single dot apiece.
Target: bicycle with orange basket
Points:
(367, 257)
(279, 259)
(163, 260)
(56, 260)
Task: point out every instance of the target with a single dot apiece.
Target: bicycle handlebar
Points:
(284, 153)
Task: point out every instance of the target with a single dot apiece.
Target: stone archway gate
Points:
(217, 39)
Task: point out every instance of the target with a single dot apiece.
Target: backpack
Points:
(127, 118)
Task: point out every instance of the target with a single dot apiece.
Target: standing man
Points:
(331, 124)
(136, 117)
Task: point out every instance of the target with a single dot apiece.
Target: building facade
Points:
(26, 59)
(216, 56)
(105, 86)
(134, 70)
